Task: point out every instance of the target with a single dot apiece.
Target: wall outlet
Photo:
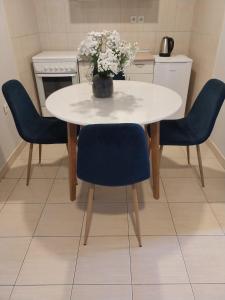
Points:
(141, 19)
(133, 19)
(5, 109)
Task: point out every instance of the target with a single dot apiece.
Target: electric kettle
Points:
(166, 47)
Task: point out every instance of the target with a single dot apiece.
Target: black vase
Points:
(102, 86)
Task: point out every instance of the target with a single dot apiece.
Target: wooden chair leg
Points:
(200, 165)
(136, 212)
(89, 214)
(40, 152)
(29, 163)
(188, 155)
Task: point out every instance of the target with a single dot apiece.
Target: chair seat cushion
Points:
(113, 155)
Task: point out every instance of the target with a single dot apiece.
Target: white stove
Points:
(54, 70)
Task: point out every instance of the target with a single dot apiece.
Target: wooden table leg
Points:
(155, 140)
(72, 153)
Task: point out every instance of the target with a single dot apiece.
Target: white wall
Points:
(218, 136)
(23, 29)
(58, 32)
(8, 135)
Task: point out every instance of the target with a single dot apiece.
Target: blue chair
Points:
(112, 155)
(32, 127)
(197, 126)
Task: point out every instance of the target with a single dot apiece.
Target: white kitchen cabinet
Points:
(83, 71)
(141, 71)
(174, 72)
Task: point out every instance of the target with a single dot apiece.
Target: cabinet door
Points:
(175, 76)
(140, 77)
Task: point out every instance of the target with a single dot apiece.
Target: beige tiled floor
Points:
(41, 233)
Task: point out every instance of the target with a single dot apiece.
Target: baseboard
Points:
(216, 152)
(11, 159)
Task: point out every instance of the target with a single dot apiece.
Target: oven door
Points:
(50, 83)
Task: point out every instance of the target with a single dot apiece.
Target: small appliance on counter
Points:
(54, 70)
(167, 45)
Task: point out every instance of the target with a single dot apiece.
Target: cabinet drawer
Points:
(140, 77)
(141, 68)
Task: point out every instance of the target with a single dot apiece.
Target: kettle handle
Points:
(171, 44)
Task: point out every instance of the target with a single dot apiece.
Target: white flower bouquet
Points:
(107, 53)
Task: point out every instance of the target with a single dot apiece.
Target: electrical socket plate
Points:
(141, 19)
(133, 19)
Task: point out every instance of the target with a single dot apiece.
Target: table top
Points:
(132, 102)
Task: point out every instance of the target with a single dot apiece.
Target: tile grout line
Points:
(114, 284)
(129, 242)
(178, 241)
(77, 256)
(10, 193)
(53, 180)
(212, 211)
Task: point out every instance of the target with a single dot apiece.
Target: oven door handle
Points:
(54, 75)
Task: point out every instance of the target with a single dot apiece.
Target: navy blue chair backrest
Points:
(113, 155)
(23, 110)
(202, 117)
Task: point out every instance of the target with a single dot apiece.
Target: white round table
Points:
(132, 102)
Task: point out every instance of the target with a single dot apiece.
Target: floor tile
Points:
(219, 211)
(19, 219)
(55, 292)
(37, 191)
(194, 219)
(155, 219)
(174, 152)
(12, 252)
(6, 187)
(49, 261)
(60, 192)
(209, 291)
(211, 168)
(61, 220)
(102, 292)
(176, 168)
(183, 190)
(205, 258)
(110, 194)
(159, 261)
(145, 193)
(5, 292)
(16, 170)
(206, 152)
(54, 151)
(43, 170)
(162, 292)
(215, 189)
(108, 220)
(63, 172)
(23, 156)
(105, 260)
